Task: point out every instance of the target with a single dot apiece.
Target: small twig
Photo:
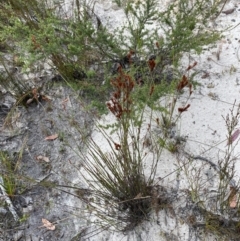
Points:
(221, 9)
(238, 54)
(215, 167)
(139, 198)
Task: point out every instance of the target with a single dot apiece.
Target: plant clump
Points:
(118, 176)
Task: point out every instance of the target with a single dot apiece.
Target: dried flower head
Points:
(120, 101)
(184, 82)
(191, 66)
(183, 108)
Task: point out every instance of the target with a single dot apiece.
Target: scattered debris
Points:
(234, 136)
(233, 200)
(51, 138)
(48, 224)
(205, 75)
(42, 158)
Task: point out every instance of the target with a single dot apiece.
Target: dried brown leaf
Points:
(233, 202)
(51, 138)
(29, 101)
(64, 103)
(46, 98)
(138, 196)
(233, 198)
(42, 158)
(48, 224)
(39, 158)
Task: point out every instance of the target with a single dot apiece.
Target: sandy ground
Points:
(202, 126)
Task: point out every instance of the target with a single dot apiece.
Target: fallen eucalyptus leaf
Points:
(51, 138)
(233, 198)
(42, 158)
(138, 196)
(48, 224)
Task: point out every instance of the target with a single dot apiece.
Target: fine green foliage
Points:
(35, 31)
(38, 32)
(185, 24)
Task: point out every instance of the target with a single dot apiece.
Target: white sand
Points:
(202, 124)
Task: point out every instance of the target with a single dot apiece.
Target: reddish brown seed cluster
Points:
(183, 83)
(151, 90)
(129, 56)
(151, 64)
(120, 101)
(34, 42)
(191, 66)
(182, 109)
(117, 146)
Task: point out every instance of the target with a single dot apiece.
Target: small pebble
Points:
(229, 11)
